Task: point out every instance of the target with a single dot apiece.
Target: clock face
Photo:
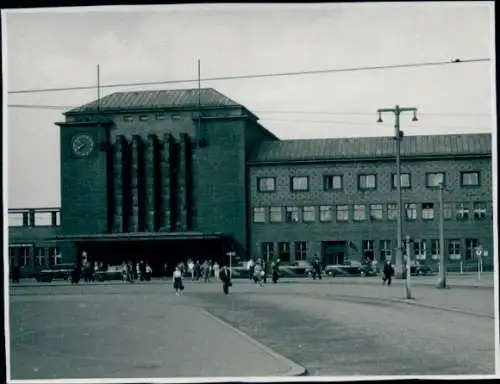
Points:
(82, 145)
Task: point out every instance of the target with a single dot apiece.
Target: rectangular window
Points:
(266, 184)
(469, 179)
(454, 250)
(43, 218)
(447, 211)
(292, 215)
(435, 249)
(342, 213)
(376, 212)
(325, 213)
(420, 249)
(308, 214)
(333, 182)
(428, 211)
(267, 251)
(392, 211)
(24, 256)
(56, 218)
(367, 181)
(275, 215)
(359, 212)
(12, 256)
(128, 118)
(284, 251)
(299, 183)
(259, 215)
(144, 118)
(463, 211)
(18, 219)
(300, 250)
(434, 179)
(405, 180)
(411, 211)
(368, 250)
(385, 250)
(470, 248)
(41, 256)
(479, 211)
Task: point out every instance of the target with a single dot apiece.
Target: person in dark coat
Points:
(388, 271)
(76, 274)
(275, 271)
(225, 277)
(16, 273)
(316, 265)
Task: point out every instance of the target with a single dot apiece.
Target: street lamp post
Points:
(442, 259)
(231, 255)
(398, 136)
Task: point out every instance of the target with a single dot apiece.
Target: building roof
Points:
(370, 147)
(162, 99)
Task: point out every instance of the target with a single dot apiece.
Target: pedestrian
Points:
(124, 272)
(148, 272)
(388, 271)
(251, 268)
(165, 270)
(191, 268)
(275, 271)
(197, 270)
(16, 273)
(178, 284)
(216, 270)
(75, 274)
(206, 271)
(225, 276)
(258, 274)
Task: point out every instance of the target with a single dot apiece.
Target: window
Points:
(342, 213)
(18, 219)
(367, 182)
(454, 251)
(470, 248)
(428, 211)
(299, 183)
(325, 213)
(41, 256)
(392, 211)
(447, 211)
(333, 182)
(405, 180)
(435, 249)
(385, 250)
(411, 211)
(300, 250)
(275, 215)
(144, 118)
(469, 179)
(376, 212)
(284, 251)
(56, 218)
(128, 118)
(420, 249)
(359, 212)
(368, 250)
(479, 211)
(292, 215)
(259, 215)
(24, 256)
(462, 211)
(267, 251)
(160, 116)
(43, 218)
(434, 179)
(266, 184)
(12, 256)
(308, 214)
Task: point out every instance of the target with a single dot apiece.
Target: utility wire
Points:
(271, 112)
(282, 74)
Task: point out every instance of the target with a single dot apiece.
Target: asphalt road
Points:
(146, 331)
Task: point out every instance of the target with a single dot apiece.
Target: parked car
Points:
(419, 269)
(296, 269)
(239, 270)
(351, 268)
(56, 271)
(113, 272)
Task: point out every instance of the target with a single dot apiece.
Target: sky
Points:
(61, 47)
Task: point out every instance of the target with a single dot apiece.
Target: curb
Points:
(294, 368)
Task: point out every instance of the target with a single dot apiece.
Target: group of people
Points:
(197, 270)
(258, 271)
(140, 271)
(223, 274)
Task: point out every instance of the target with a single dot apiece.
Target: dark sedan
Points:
(352, 268)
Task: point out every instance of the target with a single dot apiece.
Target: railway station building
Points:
(169, 175)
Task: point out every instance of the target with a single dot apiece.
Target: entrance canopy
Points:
(142, 236)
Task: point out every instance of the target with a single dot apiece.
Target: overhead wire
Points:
(266, 75)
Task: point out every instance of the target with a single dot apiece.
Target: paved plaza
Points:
(326, 328)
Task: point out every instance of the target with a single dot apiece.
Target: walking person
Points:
(388, 271)
(206, 271)
(216, 270)
(275, 271)
(165, 270)
(258, 274)
(251, 267)
(225, 277)
(316, 268)
(191, 268)
(177, 279)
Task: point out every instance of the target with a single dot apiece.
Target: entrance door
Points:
(334, 252)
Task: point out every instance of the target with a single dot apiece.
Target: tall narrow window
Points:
(300, 250)
(435, 249)
(267, 251)
(368, 250)
(411, 211)
(284, 251)
(259, 215)
(470, 248)
(420, 249)
(454, 250)
(385, 250)
(392, 211)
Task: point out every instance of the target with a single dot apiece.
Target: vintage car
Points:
(420, 269)
(56, 271)
(296, 269)
(351, 268)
